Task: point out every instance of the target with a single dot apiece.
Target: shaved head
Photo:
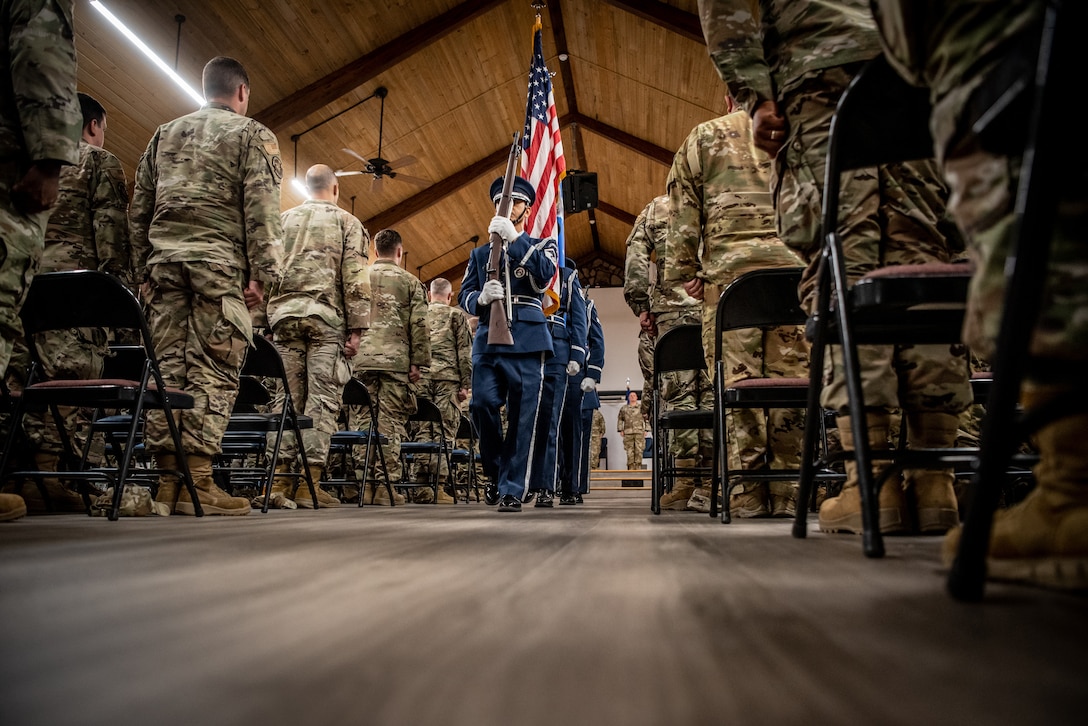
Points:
(440, 287)
(320, 177)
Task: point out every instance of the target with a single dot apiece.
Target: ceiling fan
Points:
(378, 167)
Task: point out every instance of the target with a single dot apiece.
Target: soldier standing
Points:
(661, 306)
(206, 234)
(632, 424)
(39, 132)
(509, 376)
(596, 433)
(448, 378)
(787, 64)
(317, 312)
(721, 225)
(392, 354)
(88, 230)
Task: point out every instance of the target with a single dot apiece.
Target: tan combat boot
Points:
(279, 496)
(62, 500)
(12, 506)
(1043, 540)
(934, 490)
(682, 489)
(843, 512)
(380, 497)
(443, 495)
(325, 500)
(783, 498)
(213, 500)
(749, 500)
(167, 493)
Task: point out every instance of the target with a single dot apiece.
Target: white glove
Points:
(573, 368)
(588, 385)
(504, 228)
(492, 291)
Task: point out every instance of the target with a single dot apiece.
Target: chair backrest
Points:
(679, 349)
(426, 412)
(759, 299)
(264, 360)
(464, 429)
(356, 393)
(80, 299)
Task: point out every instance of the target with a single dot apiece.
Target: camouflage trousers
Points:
(71, 353)
(594, 451)
(646, 365)
(686, 391)
(753, 437)
(317, 371)
(442, 394)
(195, 315)
(893, 214)
(22, 239)
(392, 394)
(634, 444)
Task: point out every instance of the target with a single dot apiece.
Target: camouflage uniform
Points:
(39, 120)
(721, 225)
(802, 56)
(397, 339)
(647, 290)
(323, 295)
(632, 425)
(449, 372)
(88, 230)
(205, 221)
(596, 433)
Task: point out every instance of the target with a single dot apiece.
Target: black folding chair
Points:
(264, 362)
(678, 349)
(880, 119)
(465, 458)
(344, 443)
(764, 299)
(92, 299)
(427, 416)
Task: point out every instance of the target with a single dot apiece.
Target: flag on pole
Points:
(542, 163)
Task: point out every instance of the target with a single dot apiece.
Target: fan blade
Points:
(402, 161)
(357, 156)
(349, 173)
(411, 179)
(376, 185)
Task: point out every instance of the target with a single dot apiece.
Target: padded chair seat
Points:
(942, 285)
(767, 392)
(687, 419)
(267, 421)
(356, 438)
(100, 393)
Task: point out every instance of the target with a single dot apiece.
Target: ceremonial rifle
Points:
(498, 330)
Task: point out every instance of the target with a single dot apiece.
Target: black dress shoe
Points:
(566, 499)
(491, 494)
(509, 503)
(529, 496)
(545, 499)
(577, 498)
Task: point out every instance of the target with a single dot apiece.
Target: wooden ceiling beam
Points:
(616, 213)
(342, 81)
(673, 19)
(632, 142)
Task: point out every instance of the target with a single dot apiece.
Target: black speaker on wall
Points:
(579, 191)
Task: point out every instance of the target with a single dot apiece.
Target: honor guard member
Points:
(39, 132)
(576, 482)
(206, 234)
(509, 375)
(554, 421)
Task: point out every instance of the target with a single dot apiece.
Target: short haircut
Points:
(441, 286)
(386, 242)
(92, 110)
(320, 177)
(222, 75)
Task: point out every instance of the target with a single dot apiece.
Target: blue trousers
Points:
(570, 436)
(545, 469)
(514, 381)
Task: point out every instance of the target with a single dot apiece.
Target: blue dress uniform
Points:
(568, 328)
(510, 375)
(590, 400)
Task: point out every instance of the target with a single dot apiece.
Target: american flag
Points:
(542, 163)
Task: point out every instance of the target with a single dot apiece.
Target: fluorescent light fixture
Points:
(300, 187)
(116, 22)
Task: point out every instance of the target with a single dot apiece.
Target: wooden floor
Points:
(600, 614)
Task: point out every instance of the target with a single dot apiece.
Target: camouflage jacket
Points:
(39, 112)
(325, 273)
(644, 287)
(208, 190)
(398, 336)
(721, 221)
(630, 421)
(88, 228)
(451, 345)
(762, 48)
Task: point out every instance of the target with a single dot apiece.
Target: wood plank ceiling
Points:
(635, 80)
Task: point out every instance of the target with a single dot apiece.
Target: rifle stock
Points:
(498, 330)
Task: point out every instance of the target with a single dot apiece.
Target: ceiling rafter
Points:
(632, 142)
(342, 81)
(676, 20)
